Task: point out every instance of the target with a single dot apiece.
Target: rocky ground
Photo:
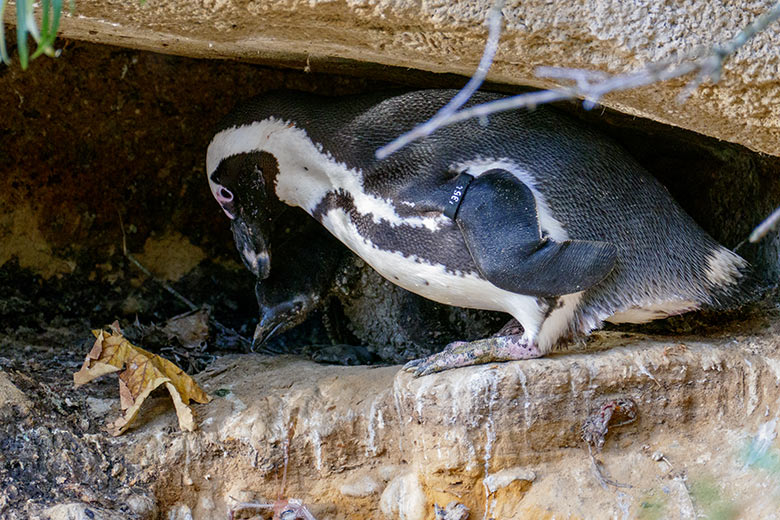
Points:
(504, 440)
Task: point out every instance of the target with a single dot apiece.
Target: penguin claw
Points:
(463, 354)
(412, 365)
(421, 367)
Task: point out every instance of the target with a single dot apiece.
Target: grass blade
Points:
(43, 43)
(32, 26)
(21, 33)
(55, 21)
(3, 51)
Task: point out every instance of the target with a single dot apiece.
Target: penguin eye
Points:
(226, 194)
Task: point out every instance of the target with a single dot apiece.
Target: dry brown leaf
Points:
(143, 372)
(191, 328)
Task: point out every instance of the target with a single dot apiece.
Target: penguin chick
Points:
(533, 214)
(368, 317)
(306, 265)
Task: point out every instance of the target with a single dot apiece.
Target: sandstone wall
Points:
(444, 36)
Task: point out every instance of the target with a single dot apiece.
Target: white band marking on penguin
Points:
(651, 312)
(559, 322)
(306, 172)
(723, 267)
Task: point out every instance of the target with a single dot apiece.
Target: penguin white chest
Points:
(426, 278)
(436, 282)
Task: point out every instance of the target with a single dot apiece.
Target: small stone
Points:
(453, 511)
(99, 407)
(360, 487)
(704, 458)
(503, 478)
(79, 511)
(179, 512)
(389, 472)
(10, 395)
(404, 498)
(142, 505)
(206, 503)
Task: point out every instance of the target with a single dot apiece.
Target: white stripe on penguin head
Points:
(307, 173)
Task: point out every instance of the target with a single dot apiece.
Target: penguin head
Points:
(308, 263)
(243, 186)
(280, 312)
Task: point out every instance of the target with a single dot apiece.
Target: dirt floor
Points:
(102, 152)
(104, 149)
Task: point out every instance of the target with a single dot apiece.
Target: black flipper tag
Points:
(456, 198)
(500, 224)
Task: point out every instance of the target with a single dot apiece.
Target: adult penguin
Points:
(533, 214)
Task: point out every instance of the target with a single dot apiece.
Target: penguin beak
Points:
(277, 319)
(258, 263)
(253, 249)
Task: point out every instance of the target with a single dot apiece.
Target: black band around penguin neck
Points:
(453, 203)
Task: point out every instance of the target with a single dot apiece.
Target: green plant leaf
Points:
(45, 21)
(3, 51)
(21, 32)
(56, 14)
(50, 21)
(26, 27)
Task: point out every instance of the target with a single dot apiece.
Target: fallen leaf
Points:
(191, 328)
(143, 372)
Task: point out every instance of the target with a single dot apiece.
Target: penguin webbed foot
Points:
(463, 354)
(511, 328)
(351, 355)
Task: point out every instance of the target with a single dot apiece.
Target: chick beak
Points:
(275, 320)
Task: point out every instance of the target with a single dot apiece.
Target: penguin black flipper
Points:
(500, 224)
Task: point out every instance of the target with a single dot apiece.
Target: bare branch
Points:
(491, 46)
(765, 227)
(588, 84)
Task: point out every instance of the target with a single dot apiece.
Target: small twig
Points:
(711, 66)
(598, 472)
(238, 506)
(658, 457)
(494, 17)
(283, 509)
(227, 331)
(165, 285)
(593, 85)
(611, 414)
(765, 227)
(124, 236)
(286, 449)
